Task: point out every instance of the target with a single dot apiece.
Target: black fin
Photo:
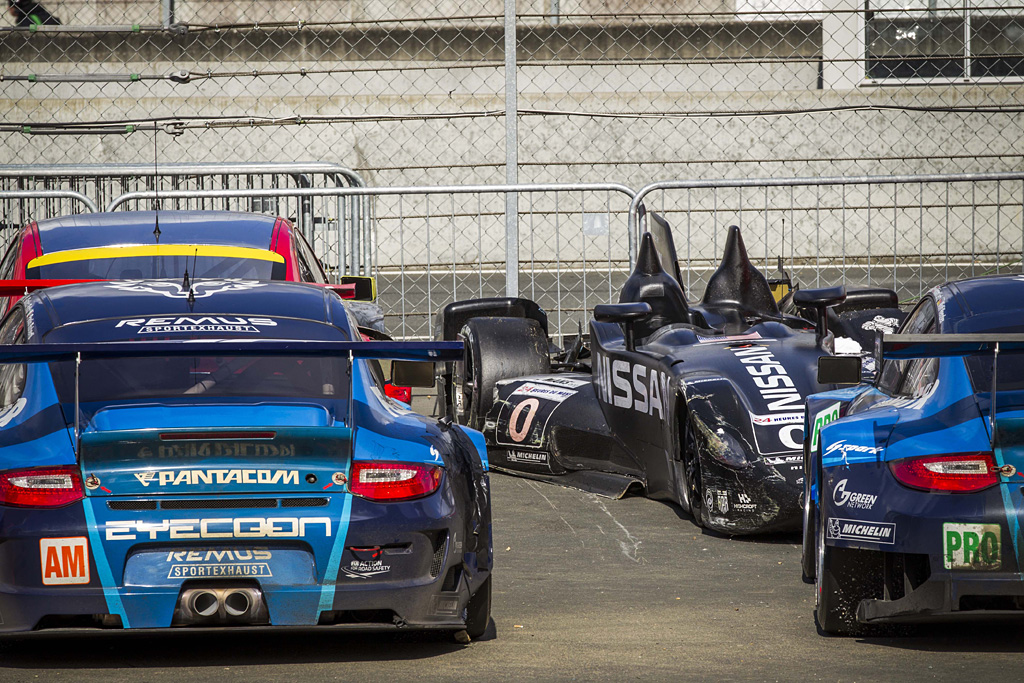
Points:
(737, 282)
(651, 284)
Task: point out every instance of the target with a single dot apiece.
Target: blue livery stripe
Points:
(99, 553)
(334, 563)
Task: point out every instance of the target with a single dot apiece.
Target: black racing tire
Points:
(495, 349)
(809, 549)
(478, 611)
(692, 480)
(845, 576)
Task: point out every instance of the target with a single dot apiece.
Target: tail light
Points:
(403, 394)
(41, 487)
(959, 473)
(391, 481)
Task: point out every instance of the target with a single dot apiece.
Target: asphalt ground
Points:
(585, 588)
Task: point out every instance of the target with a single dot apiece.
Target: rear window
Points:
(155, 267)
(205, 376)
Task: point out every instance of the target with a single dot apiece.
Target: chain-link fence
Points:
(415, 94)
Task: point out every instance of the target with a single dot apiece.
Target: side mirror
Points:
(412, 373)
(820, 300)
(624, 314)
(839, 370)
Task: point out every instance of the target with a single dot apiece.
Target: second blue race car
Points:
(913, 489)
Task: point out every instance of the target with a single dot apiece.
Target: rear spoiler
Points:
(358, 289)
(22, 287)
(904, 346)
(429, 351)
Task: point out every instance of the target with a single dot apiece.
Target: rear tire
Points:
(495, 349)
(692, 480)
(845, 576)
(478, 611)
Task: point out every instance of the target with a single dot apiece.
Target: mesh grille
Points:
(206, 504)
(439, 547)
(131, 504)
(303, 502)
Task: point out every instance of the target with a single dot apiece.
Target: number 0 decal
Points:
(530, 406)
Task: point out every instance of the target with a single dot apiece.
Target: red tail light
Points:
(41, 487)
(391, 481)
(403, 394)
(959, 473)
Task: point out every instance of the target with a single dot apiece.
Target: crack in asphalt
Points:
(631, 546)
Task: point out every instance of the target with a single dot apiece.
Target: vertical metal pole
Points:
(511, 154)
(78, 430)
(167, 10)
(554, 12)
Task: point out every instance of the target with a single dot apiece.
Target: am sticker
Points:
(64, 561)
(971, 546)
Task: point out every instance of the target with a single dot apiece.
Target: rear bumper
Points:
(948, 597)
(409, 564)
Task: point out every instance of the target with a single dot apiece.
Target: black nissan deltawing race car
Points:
(700, 403)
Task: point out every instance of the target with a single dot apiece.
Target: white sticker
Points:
(64, 561)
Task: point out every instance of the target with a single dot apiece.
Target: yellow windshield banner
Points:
(130, 251)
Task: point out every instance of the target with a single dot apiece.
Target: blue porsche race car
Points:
(913, 490)
(221, 452)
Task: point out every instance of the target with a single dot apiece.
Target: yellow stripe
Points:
(155, 250)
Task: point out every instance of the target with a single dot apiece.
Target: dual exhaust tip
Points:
(235, 605)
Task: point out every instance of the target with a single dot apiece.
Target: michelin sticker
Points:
(859, 530)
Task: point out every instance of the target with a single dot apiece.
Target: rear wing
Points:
(904, 346)
(423, 351)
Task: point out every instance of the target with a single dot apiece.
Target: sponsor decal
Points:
(201, 564)
(218, 449)
(195, 324)
(219, 527)
(822, 418)
(858, 530)
(529, 457)
(12, 411)
(849, 499)
(971, 546)
(64, 561)
(197, 477)
(728, 338)
(709, 500)
(632, 386)
(563, 382)
(524, 415)
(546, 392)
(744, 503)
(881, 324)
(785, 460)
(782, 428)
(200, 288)
(843, 449)
(364, 569)
(723, 501)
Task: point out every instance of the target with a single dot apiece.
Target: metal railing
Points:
(908, 232)
(18, 207)
(103, 182)
(569, 246)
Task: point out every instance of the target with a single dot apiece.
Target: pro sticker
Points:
(64, 561)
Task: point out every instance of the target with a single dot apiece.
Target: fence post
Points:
(167, 7)
(511, 154)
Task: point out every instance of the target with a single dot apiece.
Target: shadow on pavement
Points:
(235, 647)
